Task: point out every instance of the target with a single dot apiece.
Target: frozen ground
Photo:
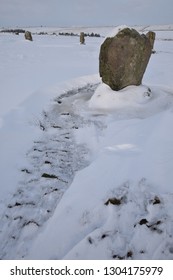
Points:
(86, 173)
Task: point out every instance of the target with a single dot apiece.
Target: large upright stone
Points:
(82, 38)
(123, 58)
(28, 36)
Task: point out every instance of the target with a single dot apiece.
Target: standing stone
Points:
(123, 58)
(151, 36)
(28, 36)
(82, 38)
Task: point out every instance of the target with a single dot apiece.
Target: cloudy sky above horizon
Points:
(84, 12)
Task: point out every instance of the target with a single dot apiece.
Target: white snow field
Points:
(85, 172)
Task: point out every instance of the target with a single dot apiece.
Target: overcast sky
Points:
(84, 12)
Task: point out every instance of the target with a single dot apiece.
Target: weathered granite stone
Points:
(123, 59)
(28, 36)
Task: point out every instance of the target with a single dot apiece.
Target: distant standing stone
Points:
(82, 38)
(123, 58)
(28, 36)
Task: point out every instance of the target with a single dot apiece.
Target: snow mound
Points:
(105, 97)
(137, 101)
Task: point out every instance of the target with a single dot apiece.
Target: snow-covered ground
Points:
(86, 173)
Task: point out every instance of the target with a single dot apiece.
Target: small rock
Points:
(143, 222)
(114, 201)
(156, 200)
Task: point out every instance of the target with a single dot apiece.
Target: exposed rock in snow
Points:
(123, 58)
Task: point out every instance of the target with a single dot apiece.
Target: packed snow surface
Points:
(86, 172)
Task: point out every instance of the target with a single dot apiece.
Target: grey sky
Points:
(84, 12)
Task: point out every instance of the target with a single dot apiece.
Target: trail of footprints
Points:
(52, 163)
